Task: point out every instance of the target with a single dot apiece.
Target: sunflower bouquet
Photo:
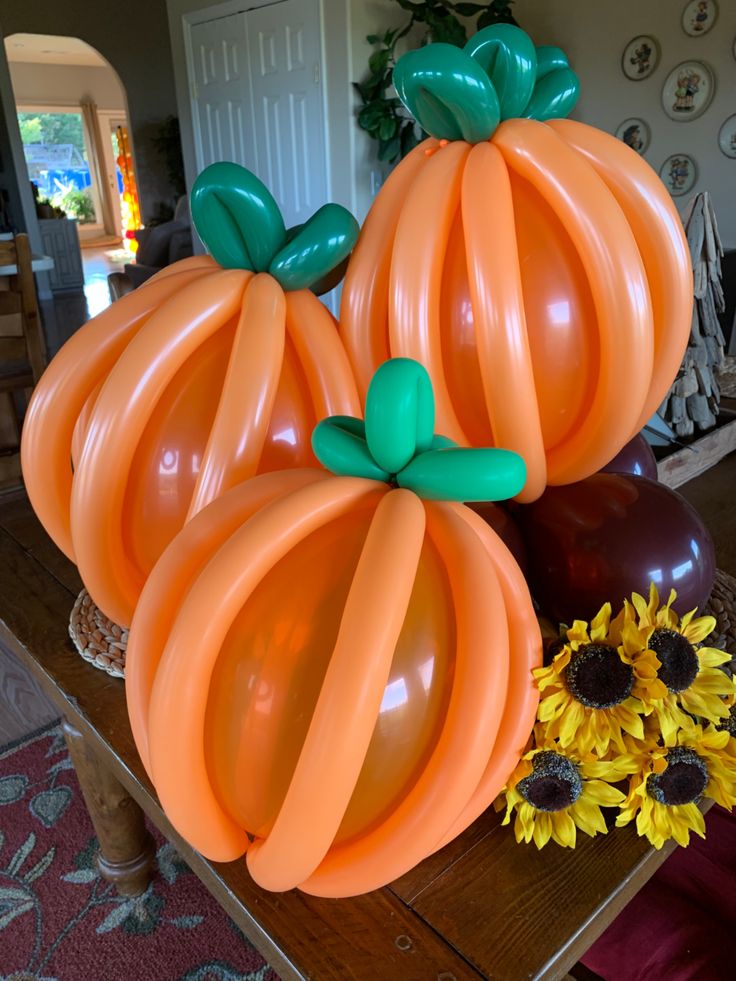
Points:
(636, 712)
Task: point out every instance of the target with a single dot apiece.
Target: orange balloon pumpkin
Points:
(209, 373)
(331, 673)
(537, 268)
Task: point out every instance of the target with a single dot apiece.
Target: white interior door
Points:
(221, 92)
(286, 77)
(257, 98)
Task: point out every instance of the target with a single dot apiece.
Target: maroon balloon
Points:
(636, 458)
(610, 535)
(506, 528)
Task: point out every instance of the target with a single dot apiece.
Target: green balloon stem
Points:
(463, 94)
(396, 444)
(240, 223)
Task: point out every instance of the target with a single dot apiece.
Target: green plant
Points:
(382, 115)
(76, 203)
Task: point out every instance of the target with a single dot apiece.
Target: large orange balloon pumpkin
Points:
(536, 267)
(216, 369)
(333, 673)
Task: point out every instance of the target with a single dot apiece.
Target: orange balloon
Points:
(543, 279)
(331, 675)
(195, 381)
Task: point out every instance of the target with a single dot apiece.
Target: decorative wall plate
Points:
(678, 173)
(699, 16)
(727, 137)
(640, 57)
(634, 133)
(688, 90)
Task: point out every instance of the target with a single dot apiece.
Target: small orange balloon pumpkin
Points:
(216, 369)
(332, 673)
(536, 266)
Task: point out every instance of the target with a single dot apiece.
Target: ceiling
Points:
(51, 49)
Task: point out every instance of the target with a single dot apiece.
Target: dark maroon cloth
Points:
(681, 926)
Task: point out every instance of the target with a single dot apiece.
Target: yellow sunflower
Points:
(553, 793)
(664, 793)
(695, 687)
(598, 685)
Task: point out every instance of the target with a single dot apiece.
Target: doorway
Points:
(69, 100)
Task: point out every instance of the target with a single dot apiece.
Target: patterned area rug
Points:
(59, 921)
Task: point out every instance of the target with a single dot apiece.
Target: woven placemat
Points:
(103, 643)
(99, 640)
(722, 605)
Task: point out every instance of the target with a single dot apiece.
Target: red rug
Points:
(59, 921)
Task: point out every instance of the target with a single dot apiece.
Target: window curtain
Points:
(97, 166)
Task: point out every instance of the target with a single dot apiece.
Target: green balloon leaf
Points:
(460, 474)
(315, 249)
(554, 95)
(240, 223)
(396, 444)
(236, 217)
(448, 93)
(463, 94)
(339, 445)
(509, 58)
(549, 59)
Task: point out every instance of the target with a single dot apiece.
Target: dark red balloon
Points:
(506, 528)
(636, 458)
(610, 535)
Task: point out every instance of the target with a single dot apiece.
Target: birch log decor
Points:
(694, 397)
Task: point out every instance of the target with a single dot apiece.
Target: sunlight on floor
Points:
(98, 263)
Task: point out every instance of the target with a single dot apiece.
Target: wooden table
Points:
(483, 907)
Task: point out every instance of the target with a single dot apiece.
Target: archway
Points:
(72, 112)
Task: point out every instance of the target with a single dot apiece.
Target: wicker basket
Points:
(103, 643)
(99, 640)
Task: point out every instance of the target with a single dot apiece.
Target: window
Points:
(56, 155)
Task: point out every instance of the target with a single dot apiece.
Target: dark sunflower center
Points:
(684, 780)
(677, 655)
(728, 724)
(597, 677)
(553, 784)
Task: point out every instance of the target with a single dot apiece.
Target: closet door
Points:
(221, 98)
(286, 74)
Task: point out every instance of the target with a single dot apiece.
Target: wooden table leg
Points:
(127, 850)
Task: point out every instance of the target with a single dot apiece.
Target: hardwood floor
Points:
(23, 708)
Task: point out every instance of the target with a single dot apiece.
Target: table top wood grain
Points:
(483, 907)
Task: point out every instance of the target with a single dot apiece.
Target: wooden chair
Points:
(22, 352)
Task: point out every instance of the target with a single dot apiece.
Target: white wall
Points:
(66, 85)
(595, 34)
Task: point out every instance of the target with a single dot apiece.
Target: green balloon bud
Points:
(399, 413)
